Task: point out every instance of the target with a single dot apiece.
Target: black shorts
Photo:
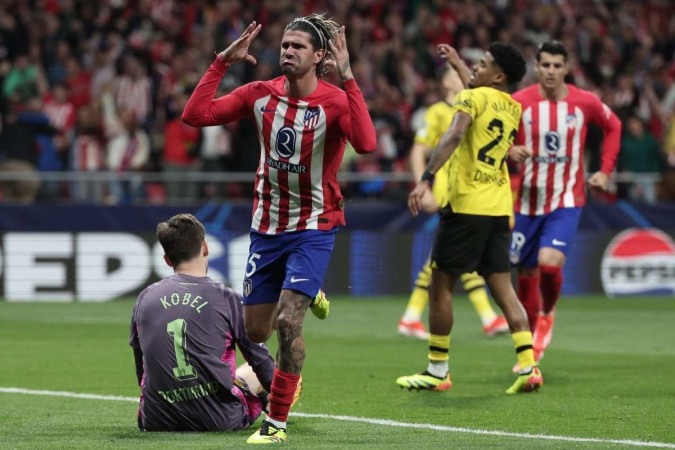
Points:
(468, 242)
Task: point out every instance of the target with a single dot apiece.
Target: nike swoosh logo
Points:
(296, 280)
(263, 109)
(560, 243)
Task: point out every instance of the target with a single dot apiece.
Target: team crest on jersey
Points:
(311, 119)
(571, 121)
(248, 286)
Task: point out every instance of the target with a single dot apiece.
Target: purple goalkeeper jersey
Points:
(184, 332)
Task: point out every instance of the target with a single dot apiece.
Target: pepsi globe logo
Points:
(639, 261)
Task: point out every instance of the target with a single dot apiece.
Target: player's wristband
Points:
(428, 177)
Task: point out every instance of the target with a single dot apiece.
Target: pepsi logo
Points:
(639, 261)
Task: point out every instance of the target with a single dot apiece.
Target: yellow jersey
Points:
(437, 120)
(479, 178)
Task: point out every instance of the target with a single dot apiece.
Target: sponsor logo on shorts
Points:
(639, 261)
(559, 243)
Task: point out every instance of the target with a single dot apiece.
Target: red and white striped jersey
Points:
(554, 177)
(61, 115)
(302, 142)
(87, 153)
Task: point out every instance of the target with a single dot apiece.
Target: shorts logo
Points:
(559, 243)
(639, 261)
(297, 280)
(248, 286)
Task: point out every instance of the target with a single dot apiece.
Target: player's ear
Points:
(499, 78)
(205, 249)
(167, 261)
(318, 55)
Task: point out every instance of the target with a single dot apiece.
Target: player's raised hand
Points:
(340, 56)
(599, 181)
(238, 50)
(448, 53)
(519, 153)
(415, 197)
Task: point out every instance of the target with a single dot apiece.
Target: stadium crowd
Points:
(100, 86)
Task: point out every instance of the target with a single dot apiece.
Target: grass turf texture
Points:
(608, 375)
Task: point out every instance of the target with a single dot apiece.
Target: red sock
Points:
(551, 283)
(283, 389)
(528, 293)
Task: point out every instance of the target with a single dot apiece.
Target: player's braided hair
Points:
(321, 29)
(510, 60)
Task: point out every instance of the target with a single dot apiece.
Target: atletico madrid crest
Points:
(311, 119)
(248, 286)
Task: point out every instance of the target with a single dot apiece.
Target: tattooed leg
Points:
(292, 309)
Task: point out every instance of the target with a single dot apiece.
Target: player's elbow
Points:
(365, 146)
(189, 118)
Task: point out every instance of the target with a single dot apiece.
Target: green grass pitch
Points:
(609, 381)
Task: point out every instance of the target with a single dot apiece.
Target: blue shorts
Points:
(296, 261)
(557, 230)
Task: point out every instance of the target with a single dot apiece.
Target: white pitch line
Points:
(382, 422)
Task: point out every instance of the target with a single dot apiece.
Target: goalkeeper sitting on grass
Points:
(185, 330)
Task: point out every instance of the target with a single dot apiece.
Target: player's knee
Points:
(287, 320)
(258, 333)
(550, 257)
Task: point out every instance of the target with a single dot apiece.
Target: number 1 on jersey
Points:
(177, 329)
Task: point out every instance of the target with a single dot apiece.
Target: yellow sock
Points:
(438, 347)
(522, 341)
(474, 286)
(419, 296)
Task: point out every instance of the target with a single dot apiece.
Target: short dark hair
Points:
(181, 238)
(510, 60)
(553, 48)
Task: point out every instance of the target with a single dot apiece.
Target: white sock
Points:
(276, 423)
(409, 316)
(487, 319)
(438, 369)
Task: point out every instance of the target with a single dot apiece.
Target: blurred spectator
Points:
(88, 155)
(127, 151)
(153, 50)
(181, 152)
(640, 154)
(24, 130)
(669, 172)
(78, 81)
(133, 90)
(24, 80)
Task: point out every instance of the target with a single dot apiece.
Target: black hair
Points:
(510, 60)
(553, 48)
